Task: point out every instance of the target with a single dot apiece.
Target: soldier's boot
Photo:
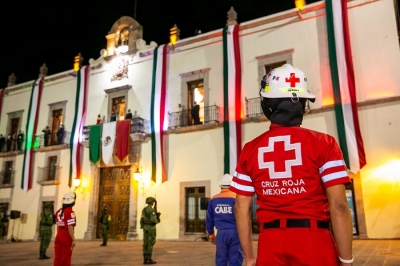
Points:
(43, 256)
(150, 261)
(145, 258)
(104, 243)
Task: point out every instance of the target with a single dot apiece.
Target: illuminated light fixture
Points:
(137, 175)
(299, 6)
(173, 36)
(78, 62)
(76, 182)
(122, 49)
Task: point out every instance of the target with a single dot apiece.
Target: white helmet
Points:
(68, 198)
(226, 180)
(285, 82)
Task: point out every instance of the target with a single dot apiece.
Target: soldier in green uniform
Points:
(150, 217)
(105, 221)
(3, 220)
(46, 224)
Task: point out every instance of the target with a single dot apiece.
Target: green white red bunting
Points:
(157, 113)
(31, 126)
(76, 148)
(232, 98)
(342, 72)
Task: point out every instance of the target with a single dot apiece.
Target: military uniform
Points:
(3, 220)
(105, 221)
(148, 223)
(46, 224)
(20, 140)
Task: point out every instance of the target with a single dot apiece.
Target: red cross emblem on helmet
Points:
(293, 80)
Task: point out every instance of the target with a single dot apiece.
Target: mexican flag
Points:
(344, 90)
(31, 126)
(76, 148)
(122, 140)
(232, 98)
(95, 144)
(157, 113)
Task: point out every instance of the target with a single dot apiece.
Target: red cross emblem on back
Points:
(293, 80)
(279, 165)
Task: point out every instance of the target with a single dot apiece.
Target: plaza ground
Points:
(172, 253)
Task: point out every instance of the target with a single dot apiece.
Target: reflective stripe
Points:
(242, 177)
(331, 164)
(242, 187)
(333, 176)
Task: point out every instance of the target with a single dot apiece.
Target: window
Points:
(13, 126)
(7, 172)
(117, 102)
(56, 117)
(51, 168)
(195, 215)
(194, 88)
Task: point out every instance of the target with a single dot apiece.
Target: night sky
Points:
(53, 32)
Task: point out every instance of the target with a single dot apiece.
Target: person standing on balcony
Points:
(46, 135)
(113, 117)
(2, 142)
(9, 142)
(221, 216)
(299, 177)
(98, 121)
(60, 135)
(128, 115)
(20, 140)
(195, 114)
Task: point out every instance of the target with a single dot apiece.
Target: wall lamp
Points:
(80, 185)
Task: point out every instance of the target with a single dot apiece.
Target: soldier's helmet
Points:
(48, 204)
(150, 200)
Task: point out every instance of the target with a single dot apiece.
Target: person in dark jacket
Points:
(60, 135)
(46, 136)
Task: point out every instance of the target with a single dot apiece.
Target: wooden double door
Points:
(114, 195)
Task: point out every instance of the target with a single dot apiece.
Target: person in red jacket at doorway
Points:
(65, 238)
(299, 177)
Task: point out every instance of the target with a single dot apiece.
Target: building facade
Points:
(121, 79)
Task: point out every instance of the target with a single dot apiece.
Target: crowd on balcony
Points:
(13, 142)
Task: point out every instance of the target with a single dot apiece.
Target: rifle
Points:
(155, 209)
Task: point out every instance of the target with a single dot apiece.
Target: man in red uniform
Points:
(65, 238)
(299, 177)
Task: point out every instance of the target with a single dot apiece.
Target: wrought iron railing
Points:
(184, 118)
(253, 107)
(53, 139)
(7, 177)
(138, 125)
(49, 173)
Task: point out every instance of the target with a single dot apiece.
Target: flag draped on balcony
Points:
(95, 144)
(76, 148)
(232, 98)
(342, 75)
(157, 113)
(122, 141)
(108, 141)
(30, 131)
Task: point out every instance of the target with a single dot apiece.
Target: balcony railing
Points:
(138, 125)
(253, 107)
(184, 118)
(7, 177)
(52, 140)
(49, 173)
